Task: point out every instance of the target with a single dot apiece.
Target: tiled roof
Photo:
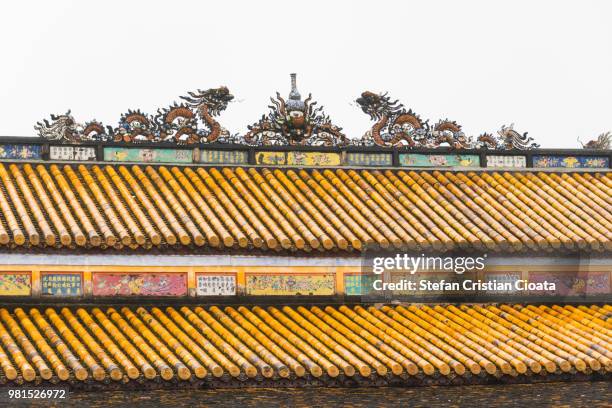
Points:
(69, 205)
(94, 344)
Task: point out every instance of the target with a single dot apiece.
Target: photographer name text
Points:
(466, 285)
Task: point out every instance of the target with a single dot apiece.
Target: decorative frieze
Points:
(20, 151)
(77, 153)
(127, 154)
(61, 284)
(215, 285)
(369, 159)
(439, 160)
(498, 161)
(574, 162)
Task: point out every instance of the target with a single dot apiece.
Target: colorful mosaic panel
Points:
(574, 162)
(506, 161)
(572, 283)
(298, 158)
(273, 158)
(124, 154)
(313, 159)
(439, 160)
(216, 285)
(79, 153)
(20, 152)
(285, 285)
(61, 284)
(355, 285)
(139, 284)
(15, 284)
(369, 159)
(223, 156)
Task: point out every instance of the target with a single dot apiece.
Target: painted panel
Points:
(61, 284)
(216, 285)
(139, 284)
(124, 154)
(506, 161)
(224, 156)
(274, 158)
(20, 152)
(503, 278)
(369, 159)
(355, 285)
(590, 162)
(439, 160)
(15, 284)
(298, 158)
(572, 283)
(284, 285)
(80, 153)
(313, 159)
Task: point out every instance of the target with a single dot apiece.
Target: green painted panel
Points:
(439, 160)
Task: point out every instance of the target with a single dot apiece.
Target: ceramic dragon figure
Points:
(602, 142)
(64, 128)
(507, 138)
(208, 105)
(134, 126)
(177, 123)
(395, 126)
(295, 122)
(192, 121)
(449, 132)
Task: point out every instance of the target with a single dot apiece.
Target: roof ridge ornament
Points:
(291, 122)
(397, 127)
(603, 142)
(295, 122)
(192, 121)
(295, 99)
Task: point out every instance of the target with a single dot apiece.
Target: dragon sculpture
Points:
(295, 122)
(602, 142)
(209, 104)
(449, 132)
(507, 139)
(65, 128)
(395, 127)
(190, 122)
(134, 126)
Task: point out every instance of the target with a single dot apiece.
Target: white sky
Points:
(544, 65)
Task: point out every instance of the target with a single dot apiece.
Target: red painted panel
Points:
(139, 284)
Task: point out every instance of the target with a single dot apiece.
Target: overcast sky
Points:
(544, 65)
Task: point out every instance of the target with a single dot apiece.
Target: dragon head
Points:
(602, 142)
(61, 127)
(215, 99)
(377, 105)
